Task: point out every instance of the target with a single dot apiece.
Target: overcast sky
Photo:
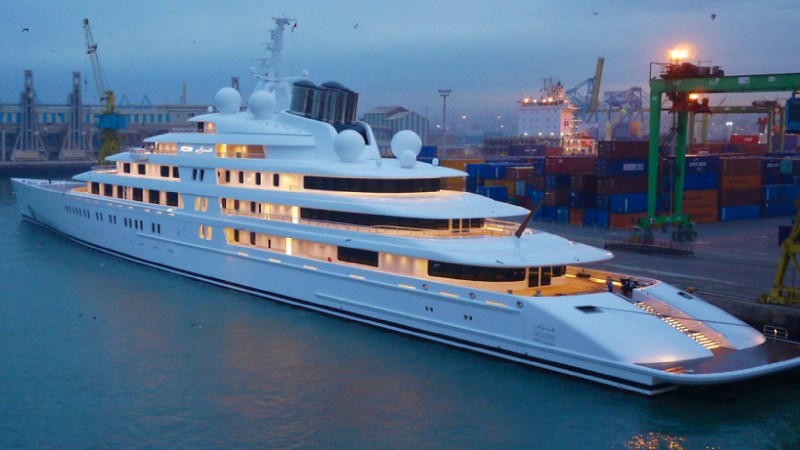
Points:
(487, 52)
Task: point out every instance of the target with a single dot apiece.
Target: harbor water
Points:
(98, 352)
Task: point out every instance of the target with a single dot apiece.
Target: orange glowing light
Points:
(678, 54)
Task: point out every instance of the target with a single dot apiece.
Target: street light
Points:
(444, 93)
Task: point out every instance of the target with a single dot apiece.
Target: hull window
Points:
(475, 273)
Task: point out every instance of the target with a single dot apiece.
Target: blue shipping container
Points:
(589, 216)
(700, 181)
(557, 181)
(628, 203)
(562, 214)
(777, 209)
(499, 193)
(727, 213)
(701, 164)
(601, 219)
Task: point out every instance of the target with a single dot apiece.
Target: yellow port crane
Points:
(110, 121)
(782, 292)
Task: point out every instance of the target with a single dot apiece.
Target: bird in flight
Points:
(25, 30)
(713, 16)
(594, 13)
(355, 26)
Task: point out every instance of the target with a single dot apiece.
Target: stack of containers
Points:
(700, 187)
(559, 172)
(621, 169)
(780, 188)
(739, 188)
(489, 180)
(455, 183)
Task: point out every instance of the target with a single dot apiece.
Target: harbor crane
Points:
(110, 122)
(587, 104)
(683, 82)
(783, 291)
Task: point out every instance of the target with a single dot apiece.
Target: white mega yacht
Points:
(290, 200)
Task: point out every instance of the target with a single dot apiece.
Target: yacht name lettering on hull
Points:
(196, 150)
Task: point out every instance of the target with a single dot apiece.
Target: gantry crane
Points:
(110, 121)
(682, 82)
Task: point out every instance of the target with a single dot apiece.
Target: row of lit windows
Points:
(373, 185)
(141, 169)
(154, 196)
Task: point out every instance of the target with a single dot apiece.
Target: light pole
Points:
(444, 93)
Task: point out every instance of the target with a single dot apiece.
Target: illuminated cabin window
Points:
(475, 273)
(357, 256)
(373, 185)
(543, 276)
(373, 220)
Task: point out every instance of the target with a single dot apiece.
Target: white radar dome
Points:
(228, 100)
(407, 159)
(262, 104)
(404, 141)
(349, 145)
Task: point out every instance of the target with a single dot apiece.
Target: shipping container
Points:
(700, 181)
(699, 164)
(628, 203)
(576, 216)
(623, 149)
(621, 185)
(556, 197)
(570, 165)
(624, 220)
(526, 150)
(557, 181)
(459, 164)
(582, 199)
(744, 139)
(601, 219)
(780, 192)
(702, 214)
(620, 167)
(702, 198)
(778, 208)
(499, 193)
(740, 182)
(583, 183)
(589, 216)
(740, 197)
(562, 214)
(727, 213)
(740, 166)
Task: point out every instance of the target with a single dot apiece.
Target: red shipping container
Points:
(740, 182)
(744, 139)
(621, 185)
(627, 220)
(700, 198)
(576, 216)
(740, 198)
(702, 214)
(569, 165)
(623, 149)
(740, 166)
(553, 151)
(519, 173)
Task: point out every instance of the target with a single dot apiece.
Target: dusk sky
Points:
(392, 53)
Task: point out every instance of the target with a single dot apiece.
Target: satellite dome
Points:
(407, 159)
(262, 104)
(349, 145)
(406, 140)
(228, 100)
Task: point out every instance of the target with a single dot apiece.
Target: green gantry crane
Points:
(682, 82)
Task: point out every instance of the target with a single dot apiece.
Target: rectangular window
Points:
(194, 174)
(358, 256)
(258, 178)
(241, 177)
(108, 190)
(165, 171)
(95, 187)
(175, 172)
(126, 167)
(120, 191)
(227, 176)
(141, 169)
(276, 179)
(138, 194)
(172, 199)
(252, 238)
(235, 235)
(155, 196)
